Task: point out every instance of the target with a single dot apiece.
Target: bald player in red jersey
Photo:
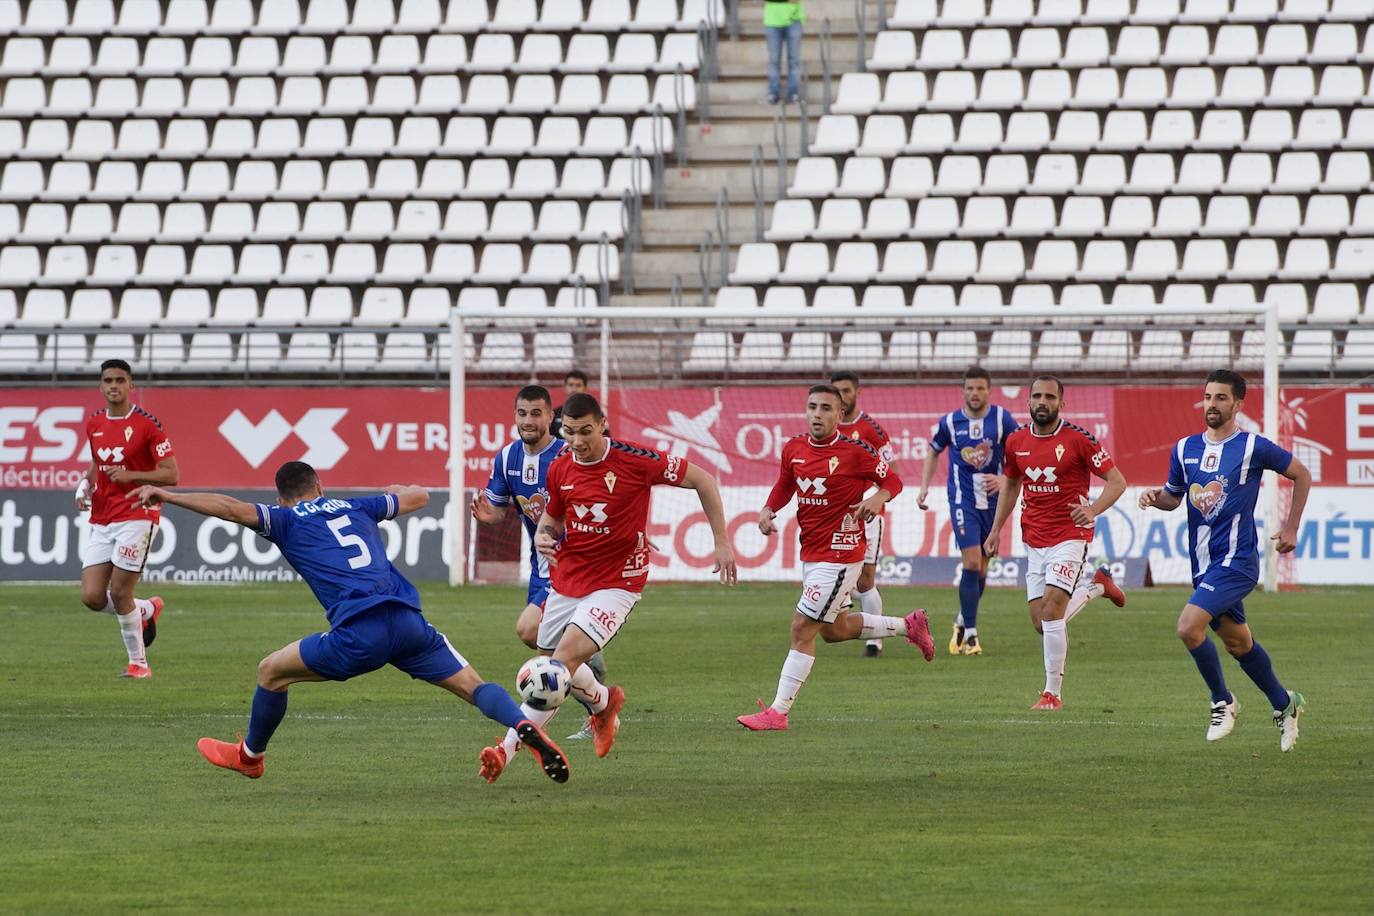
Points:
(129, 448)
(856, 424)
(829, 474)
(593, 534)
(1053, 461)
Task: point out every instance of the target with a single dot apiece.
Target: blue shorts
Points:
(971, 526)
(539, 591)
(385, 635)
(1221, 591)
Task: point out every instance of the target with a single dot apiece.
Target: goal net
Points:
(726, 387)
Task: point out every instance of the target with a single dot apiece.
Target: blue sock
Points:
(269, 706)
(1209, 666)
(968, 597)
(497, 705)
(982, 585)
(1256, 664)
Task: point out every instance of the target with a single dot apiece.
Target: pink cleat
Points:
(1048, 702)
(137, 672)
(767, 719)
(918, 633)
(1110, 590)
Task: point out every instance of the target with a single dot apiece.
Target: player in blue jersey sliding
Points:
(974, 436)
(374, 612)
(520, 477)
(1217, 472)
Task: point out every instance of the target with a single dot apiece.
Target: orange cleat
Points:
(551, 758)
(767, 719)
(1048, 702)
(1110, 590)
(231, 756)
(491, 762)
(606, 723)
(138, 672)
(150, 624)
(918, 633)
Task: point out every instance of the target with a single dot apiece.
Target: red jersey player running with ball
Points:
(1051, 459)
(830, 474)
(593, 534)
(128, 449)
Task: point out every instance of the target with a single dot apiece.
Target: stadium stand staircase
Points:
(737, 150)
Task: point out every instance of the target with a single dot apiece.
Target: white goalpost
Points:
(643, 348)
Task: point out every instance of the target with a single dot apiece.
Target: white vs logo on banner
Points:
(1036, 473)
(596, 510)
(256, 441)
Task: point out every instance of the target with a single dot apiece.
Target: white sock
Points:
(870, 602)
(145, 608)
(970, 632)
(878, 627)
(109, 607)
(540, 717)
(794, 673)
(588, 689)
(1081, 596)
(1056, 651)
(131, 628)
(959, 619)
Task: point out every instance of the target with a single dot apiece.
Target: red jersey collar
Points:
(813, 442)
(1047, 435)
(587, 464)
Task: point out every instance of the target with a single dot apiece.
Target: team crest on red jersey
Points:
(610, 479)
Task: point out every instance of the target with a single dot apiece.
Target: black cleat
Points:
(873, 650)
(551, 757)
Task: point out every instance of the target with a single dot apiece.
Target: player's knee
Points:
(1238, 645)
(1191, 634)
(267, 673)
(93, 601)
(829, 635)
(527, 634)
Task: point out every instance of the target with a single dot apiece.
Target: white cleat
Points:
(1223, 719)
(582, 734)
(1286, 720)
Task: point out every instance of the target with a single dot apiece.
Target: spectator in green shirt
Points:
(782, 23)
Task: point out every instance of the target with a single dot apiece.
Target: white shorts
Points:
(600, 615)
(125, 544)
(873, 532)
(1060, 566)
(825, 589)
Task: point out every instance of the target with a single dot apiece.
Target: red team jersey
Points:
(866, 429)
(135, 442)
(830, 477)
(1055, 471)
(605, 510)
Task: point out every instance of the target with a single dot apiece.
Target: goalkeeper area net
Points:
(726, 387)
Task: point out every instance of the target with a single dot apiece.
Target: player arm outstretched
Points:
(409, 497)
(1006, 501)
(213, 504)
(1286, 539)
(708, 491)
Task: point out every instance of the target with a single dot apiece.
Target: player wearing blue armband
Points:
(1217, 472)
(374, 612)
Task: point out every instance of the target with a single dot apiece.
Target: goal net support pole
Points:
(688, 319)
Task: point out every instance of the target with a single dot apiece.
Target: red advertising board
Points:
(362, 437)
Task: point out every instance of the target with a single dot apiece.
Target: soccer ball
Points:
(543, 682)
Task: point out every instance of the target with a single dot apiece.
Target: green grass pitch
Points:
(901, 788)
